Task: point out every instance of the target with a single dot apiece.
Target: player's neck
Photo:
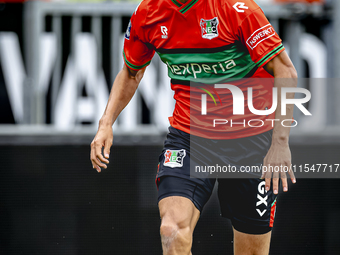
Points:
(183, 1)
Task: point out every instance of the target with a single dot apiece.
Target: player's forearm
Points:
(283, 79)
(123, 89)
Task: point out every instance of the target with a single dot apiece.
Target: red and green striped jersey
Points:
(206, 41)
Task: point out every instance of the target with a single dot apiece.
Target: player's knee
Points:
(168, 236)
(185, 235)
(168, 230)
(171, 233)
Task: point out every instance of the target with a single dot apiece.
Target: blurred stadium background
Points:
(58, 60)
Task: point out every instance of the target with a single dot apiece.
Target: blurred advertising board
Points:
(46, 78)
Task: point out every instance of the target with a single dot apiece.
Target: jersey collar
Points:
(177, 3)
(183, 8)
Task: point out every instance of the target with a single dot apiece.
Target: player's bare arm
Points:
(279, 152)
(123, 89)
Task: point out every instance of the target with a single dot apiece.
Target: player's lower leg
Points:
(248, 244)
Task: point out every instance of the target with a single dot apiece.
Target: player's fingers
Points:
(276, 176)
(292, 175)
(268, 179)
(263, 172)
(97, 146)
(95, 158)
(101, 158)
(284, 181)
(92, 156)
(94, 164)
(264, 168)
(98, 153)
(99, 163)
(107, 147)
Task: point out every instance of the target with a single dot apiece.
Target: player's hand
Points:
(103, 138)
(277, 163)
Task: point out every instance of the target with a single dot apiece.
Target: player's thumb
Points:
(107, 148)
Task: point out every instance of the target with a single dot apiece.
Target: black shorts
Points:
(245, 202)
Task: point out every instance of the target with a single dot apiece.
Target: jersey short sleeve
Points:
(259, 36)
(137, 53)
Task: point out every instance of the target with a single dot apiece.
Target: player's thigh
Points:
(251, 244)
(180, 201)
(178, 211)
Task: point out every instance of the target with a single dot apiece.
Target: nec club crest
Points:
(174, 158)
(209, 28)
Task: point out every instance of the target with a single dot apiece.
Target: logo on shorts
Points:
(260, 35)
(261, 200)
(209, 28)
(174, 158)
